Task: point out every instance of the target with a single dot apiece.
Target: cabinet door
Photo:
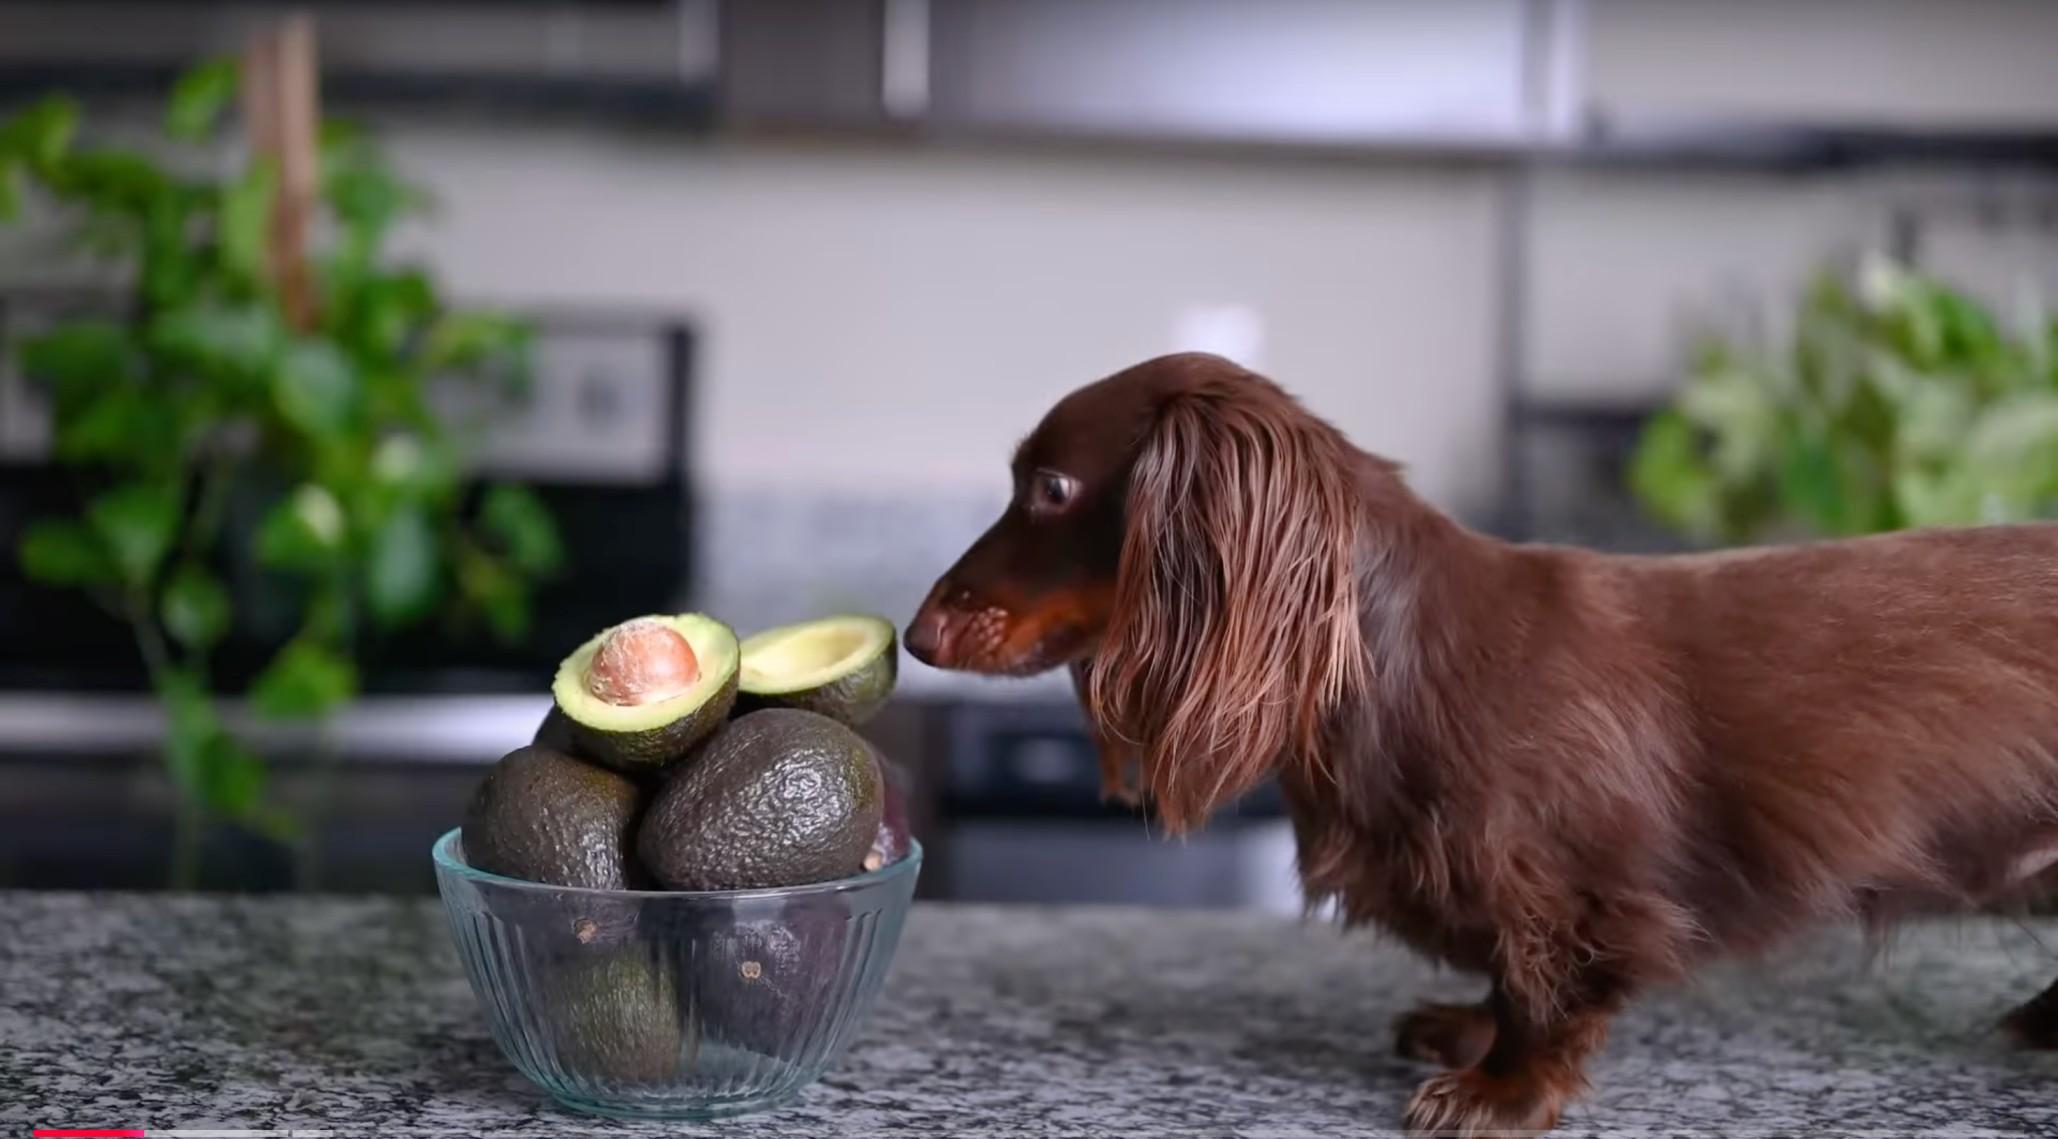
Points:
(1302, 70)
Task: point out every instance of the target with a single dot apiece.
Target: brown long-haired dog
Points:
(1576, 774)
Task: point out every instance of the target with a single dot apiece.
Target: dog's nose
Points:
(925, 634)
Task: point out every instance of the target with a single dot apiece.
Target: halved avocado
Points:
(842, 667)
(647, 737)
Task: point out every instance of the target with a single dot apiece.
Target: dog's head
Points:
(1183, 535)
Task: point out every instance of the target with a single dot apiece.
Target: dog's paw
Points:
(1455, 1036)
(1470, 1103)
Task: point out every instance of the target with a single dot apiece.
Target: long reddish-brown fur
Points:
(1576, 774)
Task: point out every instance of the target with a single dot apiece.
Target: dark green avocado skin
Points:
(556, 733)
(613, 1016)
(853, 698)
(543, 816)
(649, 751)
(896, 836)
(762, 984)
(781, 797)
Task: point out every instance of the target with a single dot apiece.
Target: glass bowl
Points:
(674, 1004)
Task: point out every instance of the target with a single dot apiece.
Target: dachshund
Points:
(1579, 775)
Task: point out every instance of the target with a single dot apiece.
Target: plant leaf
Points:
(498, 593)
(125, 427)
(234, 343)
(118, 181)
(468, 339)
(303, 531)
(65, 552)
(245, 222)
(524, 528)
(42, 133)
(205, 762)
(317, 389)
(198, 99)
(1668, 475)
(414, 470)
(365, 195)
(2008, 431)
(10, 189)
(389, 308)
(1812, 486)
(306, 680)
(274, 823)
(190, 728)
(195, 608)
(234, 777)
(87, 355)
(170, 268)
(136, 524)
(402, 577)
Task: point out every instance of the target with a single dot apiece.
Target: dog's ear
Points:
(1234, 630)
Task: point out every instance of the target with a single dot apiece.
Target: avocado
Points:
(762, 984)
(842, 667)
(542, 816)
(894, 837)
(613, 1016)
(555, 733)
(780, 797)
(639, 710)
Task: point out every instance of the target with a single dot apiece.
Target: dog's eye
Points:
(1050, 491)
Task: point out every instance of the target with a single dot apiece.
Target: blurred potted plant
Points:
(214, 384)
(1898, 403)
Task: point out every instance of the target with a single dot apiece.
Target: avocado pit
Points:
(642, 662)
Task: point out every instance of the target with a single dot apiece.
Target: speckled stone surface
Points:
(352, 1015)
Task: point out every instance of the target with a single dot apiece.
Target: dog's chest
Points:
(1392, 875)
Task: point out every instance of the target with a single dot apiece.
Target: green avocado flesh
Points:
(781, 797)
(841, 667)
(542, 816)
(646, 737)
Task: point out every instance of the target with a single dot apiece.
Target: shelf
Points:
(1597, 416)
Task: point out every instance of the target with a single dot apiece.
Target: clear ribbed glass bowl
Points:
(674, 1004)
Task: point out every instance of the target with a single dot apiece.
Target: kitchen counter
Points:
(351, 1015)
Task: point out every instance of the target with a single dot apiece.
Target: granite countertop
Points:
(352, 1015)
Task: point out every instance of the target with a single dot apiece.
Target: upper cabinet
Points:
(1699, 78)
(1325, 71)
(1905, 64)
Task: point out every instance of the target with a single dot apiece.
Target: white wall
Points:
(1628, 266)
(888, 318)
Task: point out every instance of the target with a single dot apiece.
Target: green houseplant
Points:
(1897, 402)
(199, 390)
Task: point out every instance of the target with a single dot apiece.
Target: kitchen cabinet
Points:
(1910, 63)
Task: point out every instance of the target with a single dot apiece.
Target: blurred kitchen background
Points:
(801, 272)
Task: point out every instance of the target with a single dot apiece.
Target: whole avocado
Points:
(764, 983)
(613, 1016)
(557, 734)
(896, 836)
(543, 816)
(781, 797)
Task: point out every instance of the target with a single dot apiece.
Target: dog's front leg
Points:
(1537, 1062)
(1452, 1036)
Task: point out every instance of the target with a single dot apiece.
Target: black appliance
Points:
(1020, 818)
